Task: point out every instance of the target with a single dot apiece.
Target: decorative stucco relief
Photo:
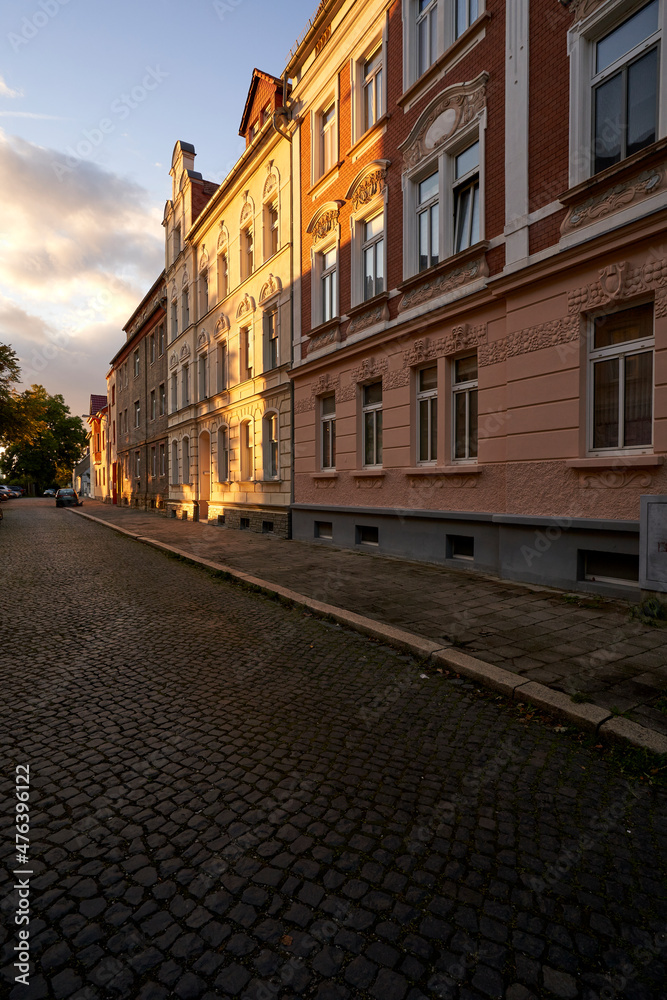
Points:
(370, 368)
(246, 305)
(203, 259)
(324, 339)
(380, 314)
(616, 197)
(326, 383)
(246, 212)
(270, 184)
(370, 182)
(221, 327)
(443, 283)
(173, 360)
(272, 287)
(661, 304)
(323, 223)
(462, 338)
(372, 483)
(202, 340)
(185, 352)
(614, 479)
(461, 481)
(582, 8)
(536, 338)
(617, 282)
(347, 393)
(304, 405)
(447, 113)
(325, 484)
(223, 238)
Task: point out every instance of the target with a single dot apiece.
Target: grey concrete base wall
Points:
(259, 519)
(552, 552)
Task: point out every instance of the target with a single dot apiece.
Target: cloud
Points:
(79, 248)
(6, 90)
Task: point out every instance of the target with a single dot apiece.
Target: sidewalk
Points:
(540, 645)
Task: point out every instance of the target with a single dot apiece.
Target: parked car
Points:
(67, 498)
(49, 493)
(7, 493)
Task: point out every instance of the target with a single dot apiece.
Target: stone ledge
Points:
(585, 715)
(478, 670)
(627, 731)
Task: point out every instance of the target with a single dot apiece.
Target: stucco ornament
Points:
(612, 280)
(441, 284)
(223, 238)
(326, 383)
(369, 182)
(616, 197)
(174, 292)
(272, 287)
(462, 480)
(614, 479)
(324, 221)
(378, 314)
(370, 368)
(221, 327)
(186, 280)
(203, 259)
(246, 305)
(648, 277)
(202, 340)
(556, 333)
(582, 8)
(324, 339)
(423, 350)
(246, 213)
(449, 112)
(173, 360)
(185, 352)
(270, 184)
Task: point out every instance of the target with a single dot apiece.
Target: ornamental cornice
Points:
(555, 333)
(621, 281)
(448, 112)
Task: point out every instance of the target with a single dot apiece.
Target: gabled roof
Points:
(97, 403)
(257, 75)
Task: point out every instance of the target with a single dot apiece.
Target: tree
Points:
(10, 373)
(46, 441)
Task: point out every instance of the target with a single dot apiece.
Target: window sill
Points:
(617, 173)
(445, 62)
(464, 469)
(618, 461)
(324, 475)
(361, 307)
(450, 263)
(331, 324)
(370, 135)
(322, 182)
(368, 474)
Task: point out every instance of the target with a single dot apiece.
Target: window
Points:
(467, 12)
(163, 460)
(372, 424)
(427, 415)
(267, 113)
(163, 399)
(271, 446)
(185, 447)
(373, 256)
(202, 377)
(245, 337)
(271, 236)
(153, 404)
(136, 364)
(272, 356)
(174, 463)
(428, 221)
(466, 198)
(174, 319)
(154, 462)
(185, 386)
(160, 339)
(328, 432)
(185, 309)
(203, 292)
(254, 131)
(223, 455)
(625, 88)
(223, 276)
(137, 464)
(247, 459)
(126, 422)
(328, 139)
(151, 348)
(177, 241)
(328, 285)
(222, 366)
(113, 431)
(174, 393)
(464, 400)
(427, 34)
(137, 413)
(373, 92)
(247, 253)
(127, 375)
(621, 380)
(113, 395)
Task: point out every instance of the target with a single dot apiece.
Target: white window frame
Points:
(223, 274)
(271, 230)
(374, 408)
(136, 364)
(185, 453)
(426, 396)
(163, 460)
(247, 256)
(153, 399)
(246, 354)
(640, 346)
(444, 161)
(271, 445)
(464, 388)
(174, 392)
(247, 450)
(328, 100)
(177, 244)
(202, 377)
(318, 276)
(161, 339)
(137, 464)
(223, 454)
(327, 422)
(204, 296)
(137, 413)
(174, 319)
(446, 34)
(174, 463)
(153, 462)
(270, 342)
(357, 226)
(151, 349)
(377, 44)
(185, 308)
(222, 365)
(185, 385)
(582, 38)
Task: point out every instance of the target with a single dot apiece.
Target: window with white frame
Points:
(372, 424)
(270, 230)
(271, 446)
(136, 364)
(467, 12)
(161, 339)
(247, 451)
(245, 338)
(427, 415)
(137, 413)
(247, 253)
(163, 460)
(328, 284)
(621, 380)
(428, 221)
(271, 347)
(137, 464)
(153, 461)
(151, 348)
(203, 361)
(373, 89)
(174, 463)
(223, 454)
(430, 27)
(466, 198)
(153, 404)
(372, 253)
(427, 34)
(163, 399)
(185, 308)
(328, 431)
(327, 138)
(464, 407)
(185, 451)
(174, 393)
(222, 361)
(203, 292)
(223, 276)
(185, 385)
(177, 241)
(174, 319)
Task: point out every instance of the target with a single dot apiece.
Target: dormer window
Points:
(254, 131)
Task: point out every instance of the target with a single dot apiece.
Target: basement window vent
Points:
(221, 518)
(366, 535)
(244, 524)
(267, 527)
(324, 529)
(609, 567)
(461, 547)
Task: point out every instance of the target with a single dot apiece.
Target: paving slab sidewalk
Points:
(526, 640)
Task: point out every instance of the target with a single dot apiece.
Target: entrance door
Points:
(204, 474)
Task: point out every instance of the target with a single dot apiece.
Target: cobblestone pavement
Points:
(230, 798)
(590, 648)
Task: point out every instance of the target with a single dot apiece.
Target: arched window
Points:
(174, 463)
(185, 447)
(270, 445)
(223, 454)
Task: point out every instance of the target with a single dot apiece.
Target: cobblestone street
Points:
(231, 798)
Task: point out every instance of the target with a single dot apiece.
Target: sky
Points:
(94, 95)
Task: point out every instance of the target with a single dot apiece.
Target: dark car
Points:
(67, 498)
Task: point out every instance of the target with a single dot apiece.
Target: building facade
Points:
(480, 336)
(137, 422)
(229, 304)
(98, 436)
